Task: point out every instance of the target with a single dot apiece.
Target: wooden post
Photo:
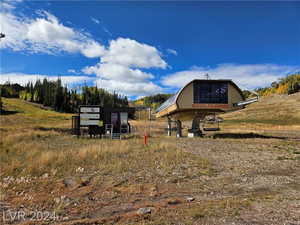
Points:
(179, 127)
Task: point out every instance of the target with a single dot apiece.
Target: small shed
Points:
(103, 120)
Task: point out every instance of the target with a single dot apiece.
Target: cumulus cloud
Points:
(45, 34)
(92, 49)
(117, 72)
(248, 76)
(120, 67)
(130, 53)
(23, 79)
(129, 88)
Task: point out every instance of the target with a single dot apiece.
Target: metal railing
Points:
(109, 130)
(247, 102)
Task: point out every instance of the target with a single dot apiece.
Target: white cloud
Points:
(92, 49)
(247, 76)
(120, 63)
(128, 52)
(120, 67)
(14, 30)
(6, 6)
(23, 79)
(95, 20)
(72, 71)
(48, 29)
(9, 4)
(172, 51)
(117, 72)
(45, 34)
(129, 88)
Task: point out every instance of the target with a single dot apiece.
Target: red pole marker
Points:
(145, 139)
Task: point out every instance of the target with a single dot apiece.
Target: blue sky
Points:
(143, 48)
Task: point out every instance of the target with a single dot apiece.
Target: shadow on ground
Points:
(244, 135)
(4, 112)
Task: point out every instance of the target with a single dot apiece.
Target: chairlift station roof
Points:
(202, 96)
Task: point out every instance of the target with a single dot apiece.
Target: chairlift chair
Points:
(215, 121)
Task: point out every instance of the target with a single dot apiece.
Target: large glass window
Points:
(210, 92)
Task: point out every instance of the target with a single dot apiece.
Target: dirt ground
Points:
(247, 181)
(266, 169)
(241, 176)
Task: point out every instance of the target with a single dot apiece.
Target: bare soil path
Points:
(266, 168)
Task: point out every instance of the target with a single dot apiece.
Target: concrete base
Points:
(191, 135)
(194, 133)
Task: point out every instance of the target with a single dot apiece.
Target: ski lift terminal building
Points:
(202, 97)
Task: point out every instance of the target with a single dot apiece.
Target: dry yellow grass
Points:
(116, 177)
(277, 112)
(39, 148)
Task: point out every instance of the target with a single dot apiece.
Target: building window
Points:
(210, 92)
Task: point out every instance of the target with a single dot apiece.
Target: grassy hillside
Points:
(272, 111)
(27, 131)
